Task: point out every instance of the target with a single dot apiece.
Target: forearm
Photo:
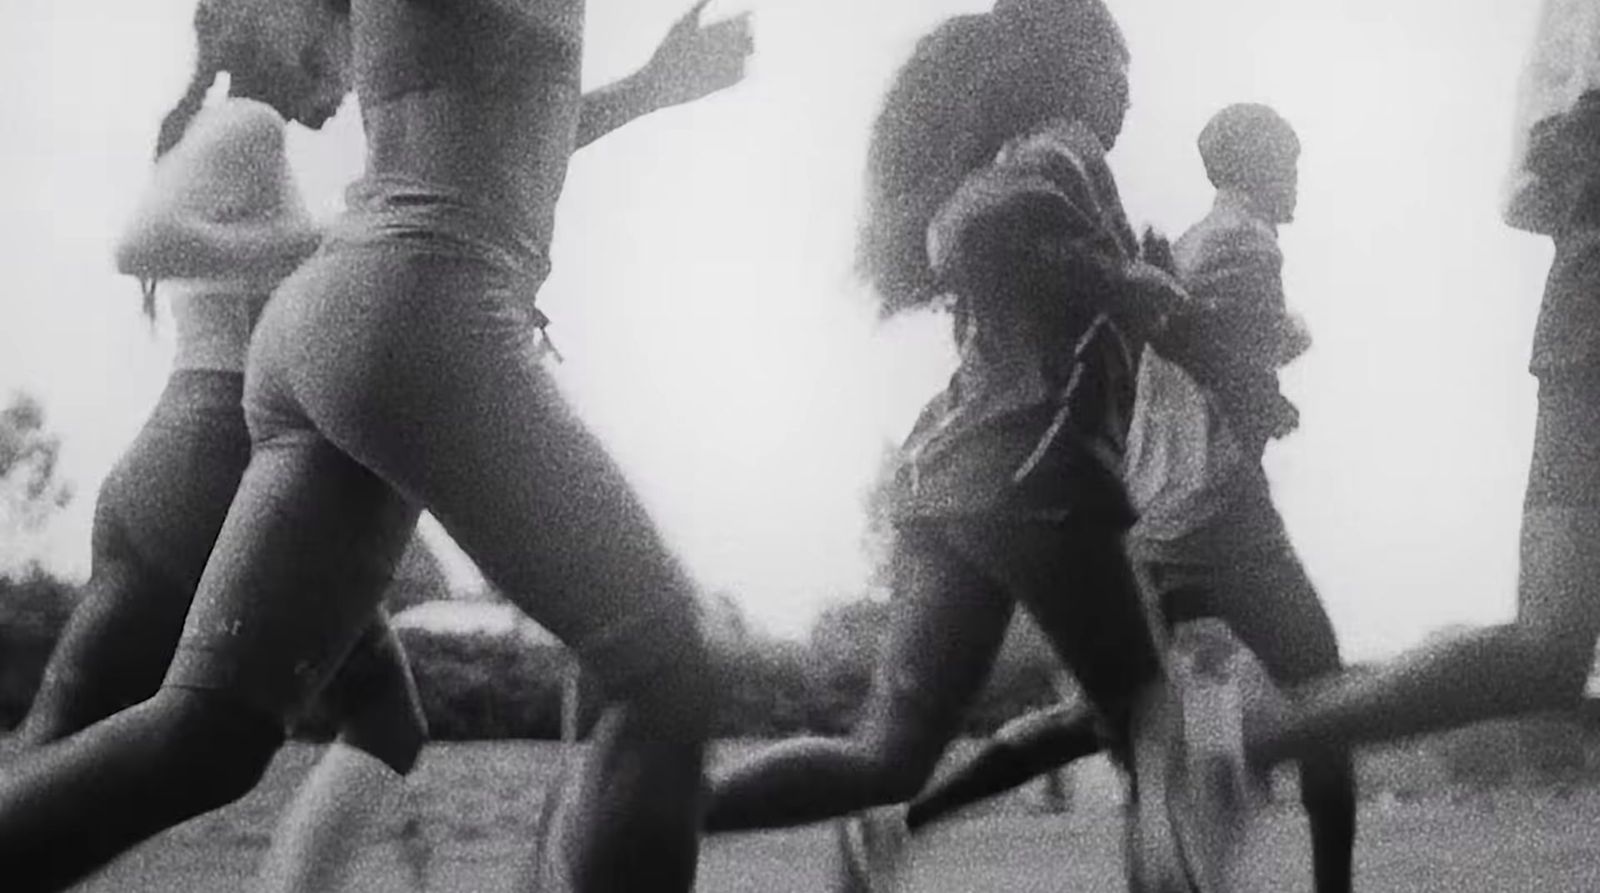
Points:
(616, 104)
(187, 249)
(1241, 377)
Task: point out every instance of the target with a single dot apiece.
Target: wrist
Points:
(646, 90)
(1156, 300)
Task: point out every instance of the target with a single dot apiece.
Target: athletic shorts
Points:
(1242, 520)
(957, 583)
(1240, 567)
(975, 474)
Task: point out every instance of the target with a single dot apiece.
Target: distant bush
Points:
(502, 685)
(34, 606)
(476, 686)
(764, 689)
(839, 660)
(1541, 750)
(486, 686)
(1483, 755)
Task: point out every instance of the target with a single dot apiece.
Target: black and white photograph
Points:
(800, 446)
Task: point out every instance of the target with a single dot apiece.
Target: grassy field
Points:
(470, 811)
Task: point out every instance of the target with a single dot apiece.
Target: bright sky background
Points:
(715, 338)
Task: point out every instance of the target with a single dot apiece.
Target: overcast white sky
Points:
(714, 337)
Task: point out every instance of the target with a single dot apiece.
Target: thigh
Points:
(946, 624)
(1267, 599)
(466, 421)
(308, 548)
(1241, 568)
(1075, 579)
(533, 497)
(113, 650)
(168, 495)
(156, 519)
(1559, 580)
(1564, 470)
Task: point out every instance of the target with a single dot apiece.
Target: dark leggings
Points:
(956, 587)
(157, 516)
(1264, 595)
(386, 377)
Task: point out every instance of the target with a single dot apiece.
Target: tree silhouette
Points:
(419, 578)
(29, 490)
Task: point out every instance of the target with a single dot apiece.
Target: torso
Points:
(212, 318)
(1185, 464)
(1044, 389)
(212, 322)
(471, 108)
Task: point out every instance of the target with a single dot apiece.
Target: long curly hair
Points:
(971, 84)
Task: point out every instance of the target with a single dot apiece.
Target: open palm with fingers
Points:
(696, 60)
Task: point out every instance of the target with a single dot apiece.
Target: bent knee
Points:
(225, 744)
(902, 756)
(394, 737)
(1554, 663)
(896, 781)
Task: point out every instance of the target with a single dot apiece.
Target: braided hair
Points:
(226, 39)
(207, 65)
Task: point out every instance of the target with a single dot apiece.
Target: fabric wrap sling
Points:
(1034, 421)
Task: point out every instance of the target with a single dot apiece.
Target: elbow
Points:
(138, 252)
(154, 251)
(132, 259)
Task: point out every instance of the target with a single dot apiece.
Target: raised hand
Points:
(696, 60)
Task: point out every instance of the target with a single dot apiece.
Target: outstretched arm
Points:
(1023, 749)
(692, 62)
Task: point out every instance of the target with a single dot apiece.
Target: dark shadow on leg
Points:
(946, 626)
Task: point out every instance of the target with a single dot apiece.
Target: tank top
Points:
(502, 126)
(212, 317)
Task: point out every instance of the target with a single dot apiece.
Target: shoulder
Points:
(1071, 158)
(234, 125)
(1067, 157)
(231, 163)
(1228, 238)
(1039, 185)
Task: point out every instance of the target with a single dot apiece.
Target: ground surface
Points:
(470, 808)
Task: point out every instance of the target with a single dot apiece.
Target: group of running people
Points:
(1207, 543)
(1096, 456)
